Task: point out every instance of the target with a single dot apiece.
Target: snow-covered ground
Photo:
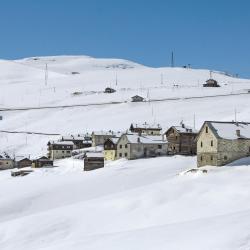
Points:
(141, 204)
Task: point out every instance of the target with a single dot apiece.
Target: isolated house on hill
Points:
(134, 146)
(137, 98)
(110, 149)
(181, 140)
(220, 143)
(211, 83)
(109, 90)
(60, 149)
(145, 128)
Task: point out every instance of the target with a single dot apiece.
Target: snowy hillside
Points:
(22, 85)
(149, 204)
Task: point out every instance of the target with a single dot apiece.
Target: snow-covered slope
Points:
(143, 204)
(22, 84)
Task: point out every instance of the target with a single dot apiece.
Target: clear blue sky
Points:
(205, 33)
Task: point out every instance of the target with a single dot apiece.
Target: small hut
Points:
(42, 162)
(211, 83)
(109, 90)
(24, 162)
(93, 160)
(137, 98)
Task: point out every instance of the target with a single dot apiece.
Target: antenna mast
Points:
(172, 59)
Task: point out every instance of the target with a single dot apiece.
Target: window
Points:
(126, 145)
(63, 152)
(152, 132)
(68, 152)
(212, 143)
(206, 129)
(211, 157)
(225, 157)
(120, 155)
(126, 154)
(120, 146)
(159, 146)
(201, 144)
(201, 158)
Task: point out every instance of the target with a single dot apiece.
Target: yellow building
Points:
(110, 149)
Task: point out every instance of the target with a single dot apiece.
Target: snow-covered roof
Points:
(112, 133)
(145, 139)
(228, 130)
(115, 139)
(67, 143)
(94, 154)
(185, 129)
(146, 126)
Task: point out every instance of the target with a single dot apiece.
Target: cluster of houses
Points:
(216, 143)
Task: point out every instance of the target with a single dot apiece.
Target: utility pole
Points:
(172, 59)
(46, 74)
(116, 82)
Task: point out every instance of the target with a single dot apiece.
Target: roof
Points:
(111, 133)
(227, 130)
(145, 139)
(67, 143)
(114, 140)
(184, 129)
(137, 96)
(146, 126)
(211, 80)
(94, 155)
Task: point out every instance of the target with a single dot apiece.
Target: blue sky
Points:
(205, 33)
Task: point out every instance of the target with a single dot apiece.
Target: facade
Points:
(6, 162)
(146, 128)
(220, 143)
(134, 146)
(109, 90)
(110, 149)
(23, 163)
(211, 83)
(137, 98)
(60, 149)
(42, 162)
(181, 140)
(99, 137)
(93, 160)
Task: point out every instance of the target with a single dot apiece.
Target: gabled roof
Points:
(183, 129)
(228, 130)
(94, 155)
(66, 143)
(146, 126)
(144, 139)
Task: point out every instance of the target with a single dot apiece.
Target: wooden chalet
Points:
(137, 98)
(42, 162)
(24, 162)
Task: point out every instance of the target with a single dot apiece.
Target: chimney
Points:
(183, 125)
(238, 132)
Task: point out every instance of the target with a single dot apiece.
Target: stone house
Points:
(60, 149)
(181, 140)
(145, 128)
(134, 146)
(137, 98)
(42, 162)
(211, 83)
(6, 162)
(93, 160)
(99, 137)
(110, 149)
(23, 163)
(220, 143)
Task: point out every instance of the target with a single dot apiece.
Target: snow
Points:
(141, 204)
(227, 130)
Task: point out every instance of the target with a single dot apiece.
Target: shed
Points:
(93, 160)
(42, 162)
(109, 90)
(24, 162)
(211, 83)
(137, 98)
